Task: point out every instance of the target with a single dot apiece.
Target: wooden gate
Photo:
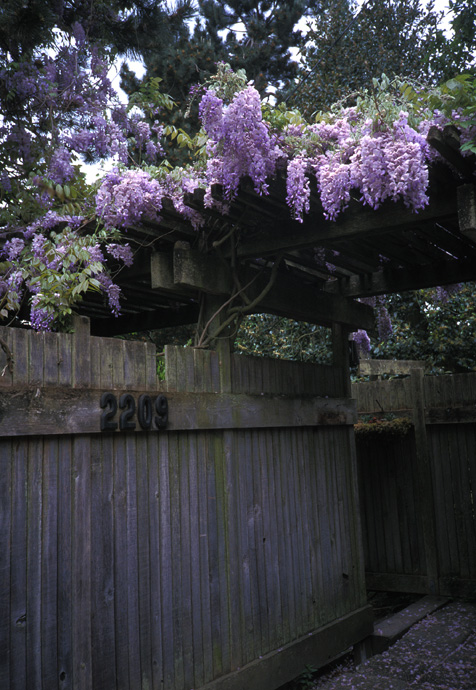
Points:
(206, 537)
(417, 493)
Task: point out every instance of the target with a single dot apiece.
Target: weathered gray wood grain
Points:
(48, 410)
(169, 558)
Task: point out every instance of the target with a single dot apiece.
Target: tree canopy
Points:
(346, 47)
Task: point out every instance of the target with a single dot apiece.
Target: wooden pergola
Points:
(311, 271)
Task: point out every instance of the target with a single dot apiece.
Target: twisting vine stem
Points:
(236, 313)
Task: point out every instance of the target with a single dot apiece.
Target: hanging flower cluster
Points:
(350, 155)
(239, 142)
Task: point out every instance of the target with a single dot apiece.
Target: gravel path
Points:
(438, 653)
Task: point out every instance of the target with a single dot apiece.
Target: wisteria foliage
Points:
(61, 236)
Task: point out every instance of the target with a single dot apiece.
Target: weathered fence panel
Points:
(202, 555)
(419, 529)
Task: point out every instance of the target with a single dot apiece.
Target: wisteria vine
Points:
(60, 234)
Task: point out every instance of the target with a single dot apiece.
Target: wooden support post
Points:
(214, 317)
(467, 210)
(340, 355)
(424, 479)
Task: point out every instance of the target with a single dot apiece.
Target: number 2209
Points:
(149, 413)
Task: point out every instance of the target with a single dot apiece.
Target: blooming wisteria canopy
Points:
(67, 234)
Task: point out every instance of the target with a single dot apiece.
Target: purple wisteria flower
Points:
(12, 248)
(122, 252)
(128, 198)
(384, 323)
(40, 318)
(112, 291)
(298, 186)
(60, 169)
(240, 143)
(362, 341)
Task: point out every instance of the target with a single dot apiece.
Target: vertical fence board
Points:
(176, 556)
(237, 558)
(80, 356)
(213, 562)
(102, 563)
(36, 358)
(185, 593)
(468, 456)
(287, 534)
(196, 584)
(120, 563)
(65, 359)
(142, 479)
(18, 611)
(6, 502)
(250, 512)
(281, 536)
(301, 581)
(259, 535)
(50, 358)
(131, 564)
(204, 565)
(269, 542)
(312, 451)
(49, 575)
(166, 563)
(155, 583)
(81, 564)
(20, 345)
(222, 552)
(65, 563)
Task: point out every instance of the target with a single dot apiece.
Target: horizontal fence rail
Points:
(26, 411)
(214, 545)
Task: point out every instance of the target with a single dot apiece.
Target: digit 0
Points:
(144, 411)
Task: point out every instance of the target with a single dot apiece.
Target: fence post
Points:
(340, 355)
(424, 479)
(81, 351)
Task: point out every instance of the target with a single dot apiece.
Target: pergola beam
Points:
(400, 280)
(145, 321)
(188, 270)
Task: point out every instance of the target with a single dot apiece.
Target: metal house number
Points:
(150, 413)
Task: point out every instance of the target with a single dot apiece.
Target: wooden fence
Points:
(418, 492)
(200, 532)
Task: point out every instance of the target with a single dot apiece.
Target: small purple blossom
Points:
(362, 341)
(13, 248)
(60, 169)
(40, 318)
(112, 291)
(122, 252)
(5, 182)
(384, 323)
(96, 253)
